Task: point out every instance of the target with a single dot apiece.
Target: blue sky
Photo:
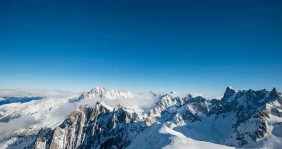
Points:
(187, 46)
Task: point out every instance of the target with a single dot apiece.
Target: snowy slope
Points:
(32, 115)
(123, 119)
(52, 111)
(160, 136)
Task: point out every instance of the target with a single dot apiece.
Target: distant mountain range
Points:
(114, 119)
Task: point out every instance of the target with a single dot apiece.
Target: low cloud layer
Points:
(142, 101)
(41, 93)
(6, 129)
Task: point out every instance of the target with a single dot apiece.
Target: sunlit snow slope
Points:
(102, 118)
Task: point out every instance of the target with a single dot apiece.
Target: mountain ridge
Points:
(250, 116)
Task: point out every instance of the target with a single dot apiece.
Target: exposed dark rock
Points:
(229, 92)
(95, 127)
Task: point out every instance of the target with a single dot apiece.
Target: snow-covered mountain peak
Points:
(273, 93)
(230, 87)
(121, 119)
(189, 96)
(229, 92)
(173, 92)
(101, 92)
(99, 89)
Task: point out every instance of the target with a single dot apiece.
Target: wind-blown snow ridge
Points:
(230, 87)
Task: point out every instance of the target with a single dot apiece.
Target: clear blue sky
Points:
(141, 45)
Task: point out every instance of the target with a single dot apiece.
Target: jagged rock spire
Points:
(229, 92)
(274, 94)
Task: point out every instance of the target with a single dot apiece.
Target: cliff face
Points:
(96, 127)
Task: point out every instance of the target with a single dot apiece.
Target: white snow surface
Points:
(160, 136)
(101, 92)
(50, 112)
(29, 117)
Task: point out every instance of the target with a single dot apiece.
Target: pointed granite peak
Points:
(274, 93)
(230, 88)
(229, 92)
(189, 96)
